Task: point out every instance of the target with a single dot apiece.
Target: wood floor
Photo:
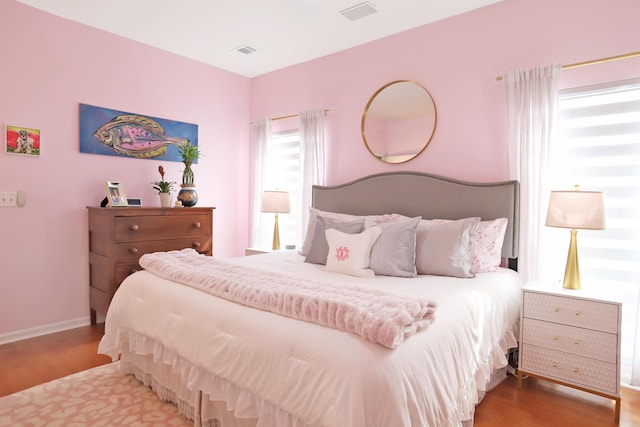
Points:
(34, 361)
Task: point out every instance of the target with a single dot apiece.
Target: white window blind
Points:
(283, 173)
(599, 130)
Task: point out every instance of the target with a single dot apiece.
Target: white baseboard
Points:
(44, 330)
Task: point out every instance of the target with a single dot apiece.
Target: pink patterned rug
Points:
(96, 397)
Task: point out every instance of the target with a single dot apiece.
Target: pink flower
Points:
(342, 253)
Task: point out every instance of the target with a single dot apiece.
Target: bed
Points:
(225, 363)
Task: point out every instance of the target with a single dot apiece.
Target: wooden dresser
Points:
(119, 236)
(571, 337)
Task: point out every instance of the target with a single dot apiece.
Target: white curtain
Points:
(532, 104)
(261, 138)
(311, 124)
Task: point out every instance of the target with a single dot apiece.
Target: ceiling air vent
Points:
(246, 49)
(359, 11)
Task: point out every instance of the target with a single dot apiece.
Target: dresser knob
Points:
(196, 224)
(133, 251)
(554, 364)
(196, 245)
(134, 227)
(577, 313)
(576, 342)
(133, 270)
(555, 337)
(556, 309)
(575, 370)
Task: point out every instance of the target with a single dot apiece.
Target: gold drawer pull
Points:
(555, 337)
(577, 313)
(576, 342)
(554, 364)
(134, 227)
(576, 370)
(133, 251)
(196, 245)
(196, 224)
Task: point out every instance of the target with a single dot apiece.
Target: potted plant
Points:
(163, 188)
(187, 194)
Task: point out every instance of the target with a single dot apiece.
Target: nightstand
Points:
(571, 337)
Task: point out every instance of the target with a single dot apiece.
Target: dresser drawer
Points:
(570, 368)
(125, 269)
(132, 251)
(599, 316)
(584, 342)
(129, 229)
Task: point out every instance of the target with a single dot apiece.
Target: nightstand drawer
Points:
(570, 368)
(584, 342)
(599, 316)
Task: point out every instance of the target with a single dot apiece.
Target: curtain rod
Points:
(595, 61)
(290, 116)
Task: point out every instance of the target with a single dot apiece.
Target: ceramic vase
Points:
(188, 195)
(165, 200)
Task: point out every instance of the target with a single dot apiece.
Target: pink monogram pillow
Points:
(350, 253)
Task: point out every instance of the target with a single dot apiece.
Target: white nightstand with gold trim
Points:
(571, 338)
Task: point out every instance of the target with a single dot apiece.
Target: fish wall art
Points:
(118, 133)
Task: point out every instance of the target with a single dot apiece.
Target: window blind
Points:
(599, 129)
(283, 173)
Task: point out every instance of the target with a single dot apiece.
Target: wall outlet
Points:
(8, 199)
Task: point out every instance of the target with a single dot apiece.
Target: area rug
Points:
(96, 397)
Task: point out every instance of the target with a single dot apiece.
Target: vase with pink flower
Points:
(164, 189)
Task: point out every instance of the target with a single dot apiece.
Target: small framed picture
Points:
(115, 194)
(21, 140)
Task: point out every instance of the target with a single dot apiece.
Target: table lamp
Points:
(576, 210)
(276, 202)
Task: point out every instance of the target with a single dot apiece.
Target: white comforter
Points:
(292, 373)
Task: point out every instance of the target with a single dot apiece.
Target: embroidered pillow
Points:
(486, 245)
(319, 248)
(350, 253)
(394, 253)
(445, 249)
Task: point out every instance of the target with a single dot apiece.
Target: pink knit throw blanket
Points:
(378, 316)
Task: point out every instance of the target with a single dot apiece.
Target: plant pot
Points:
(188, 195)
(165, 200)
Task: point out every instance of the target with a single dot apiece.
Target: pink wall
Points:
(457, 61)
(47, 71)
(57, 64)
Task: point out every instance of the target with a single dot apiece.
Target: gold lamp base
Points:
(276, 235)
(572, 270)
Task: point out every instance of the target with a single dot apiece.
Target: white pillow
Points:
(445, 249)
(350, 253)
(319, 248)
(394, 253)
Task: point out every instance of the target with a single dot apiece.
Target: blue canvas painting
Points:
(117, 133)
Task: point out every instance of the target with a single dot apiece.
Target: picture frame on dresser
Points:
(115, 194)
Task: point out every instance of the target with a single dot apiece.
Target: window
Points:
(599, 149)
(283, 173)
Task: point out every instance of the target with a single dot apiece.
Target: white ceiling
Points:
(284, 32)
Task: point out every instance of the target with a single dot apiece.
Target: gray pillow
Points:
(445, 249)
(319, 249)
(394, 253)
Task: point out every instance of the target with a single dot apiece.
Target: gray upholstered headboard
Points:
(429, 196)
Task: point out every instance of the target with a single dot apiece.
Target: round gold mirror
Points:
(398, 121)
